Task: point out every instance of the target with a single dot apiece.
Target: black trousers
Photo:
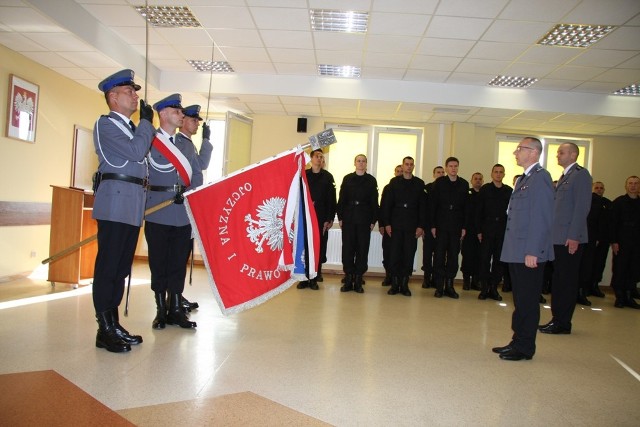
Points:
(526, 286)
(116, 248)
(428, 251)
(445, 261)
(169, 249)
(587, 267)
(470, 249)
(403, 250)
(491, 268)
(386, 252)
(626, 267)
(355, 248)
(564, 291)
(600, 261)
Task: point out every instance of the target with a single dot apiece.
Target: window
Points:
(508, 143)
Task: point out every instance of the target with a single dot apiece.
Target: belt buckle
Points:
(145, 182)
(176, 188)
(450, 207)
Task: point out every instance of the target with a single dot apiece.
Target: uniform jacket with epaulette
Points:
(121, 151)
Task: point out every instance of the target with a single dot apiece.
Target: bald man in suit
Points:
(527, 247)
(572, 203)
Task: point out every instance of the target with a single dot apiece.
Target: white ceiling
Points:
(423, 61)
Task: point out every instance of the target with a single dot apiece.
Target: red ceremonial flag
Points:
(247, 227)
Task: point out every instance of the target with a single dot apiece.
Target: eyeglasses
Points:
(520, 147)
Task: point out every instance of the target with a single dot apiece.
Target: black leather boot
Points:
(161, 311)
(620, 299)
(595, 290)
(449, 290)
(188, 305)
(493, 292)
(395, 285)
(629, 301)
(484, 290)
(107, 337)
(582, 298)
(426, 282)
(122, 332)
(319, 277)
(357, 284)
(175, 314)
(466, 282)
(313, 284)
(387, 279)
(348, 283)
(475, 283)
(439, 287)
(404, 287)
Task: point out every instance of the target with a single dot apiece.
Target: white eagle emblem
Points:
(23, 104)
(268, 226)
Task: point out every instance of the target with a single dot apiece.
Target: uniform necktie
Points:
(133, 127)
(171, 139)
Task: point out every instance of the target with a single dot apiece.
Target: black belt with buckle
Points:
(123, 177)
(177, 188)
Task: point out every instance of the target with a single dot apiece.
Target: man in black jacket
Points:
(448, 208)
(491, 220)
(357, 214)
(404, 216)
(428, 242)
(323, 195)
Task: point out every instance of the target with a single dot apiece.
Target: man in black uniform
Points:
(625, 244)
(404, 216)
(597, 229)
(470, 265)
(357, 214)
(447, 209)
(323, 194)
(386, 240)
(491, 220)
(428, 241)
(603, 240)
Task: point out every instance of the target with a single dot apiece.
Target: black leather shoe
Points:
(582, 300)
(554, 329)
(188, 305)
(513, 354)
(438, 293)
(313, 285)
(502, 350)
(302, 285)
(319, 278)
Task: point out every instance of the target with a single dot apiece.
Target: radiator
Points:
(334, 249)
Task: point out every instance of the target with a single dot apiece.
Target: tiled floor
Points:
(345, 359)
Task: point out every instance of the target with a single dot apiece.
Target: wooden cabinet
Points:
(71, 223)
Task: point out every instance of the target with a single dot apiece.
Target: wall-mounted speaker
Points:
(302, 124)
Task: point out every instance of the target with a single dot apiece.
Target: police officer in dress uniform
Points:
(405, 214)
(357, 214)
(491, 220)
(625, 244)
(527, 247)
(448, 210)
(428, 241)
(386, 240)
(168, 230)
(470, 265)
(189, 128)
(569, 234)
(119, 201)
(322, 187)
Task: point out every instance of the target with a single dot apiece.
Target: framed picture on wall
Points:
(22, 109)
